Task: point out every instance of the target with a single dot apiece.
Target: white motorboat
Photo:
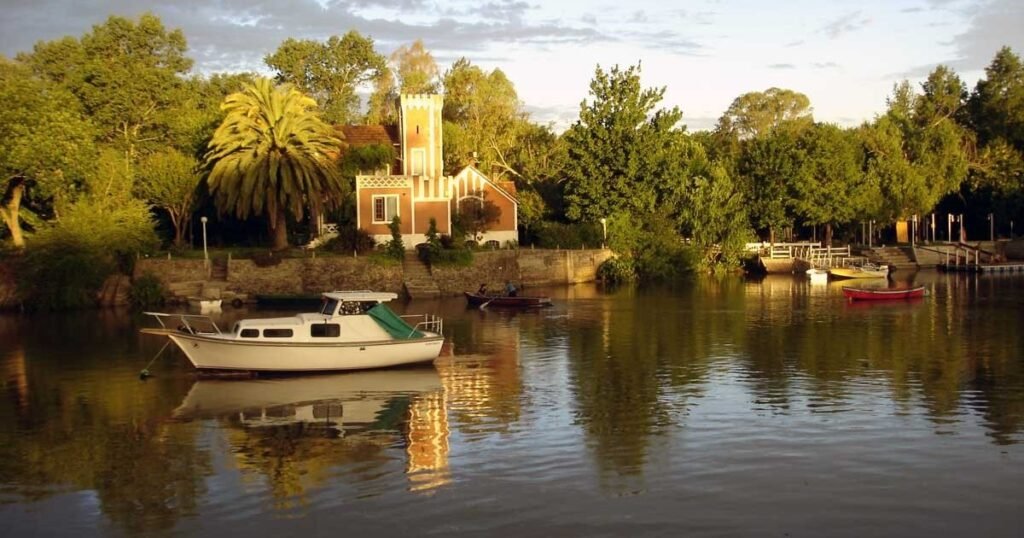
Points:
(205, 305)
(817, 276)
(353, 330)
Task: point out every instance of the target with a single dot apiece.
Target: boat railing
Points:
(428, 322)
(198, 325)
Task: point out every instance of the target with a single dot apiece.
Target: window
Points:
(250, 333)
(330, 306)
(325, 330)
(419, 161)
(277, 333)
(385, 208)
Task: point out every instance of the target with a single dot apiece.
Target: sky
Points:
(844, 55)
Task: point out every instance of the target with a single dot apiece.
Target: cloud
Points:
(824, 65)
(781, 66)
(638, 16)
(236, 34)
(850, 22)
(795, 43)
(912, 10)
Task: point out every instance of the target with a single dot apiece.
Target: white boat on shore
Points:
(353, 330)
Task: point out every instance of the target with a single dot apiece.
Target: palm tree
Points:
(273, 155)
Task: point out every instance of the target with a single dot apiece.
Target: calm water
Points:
(710, 408)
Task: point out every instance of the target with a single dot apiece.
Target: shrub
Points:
(395, 248)
(147, 291)
(617, 270)
(351, 240)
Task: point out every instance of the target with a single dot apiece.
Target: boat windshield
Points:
(330, 306)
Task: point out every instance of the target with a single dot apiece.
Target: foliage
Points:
(127, 75)
(550, 234)
(757, 114)
(395, 248)
(147, 291)
(715, 214)
(483, 119)
(45, 149)
(365, 159)
(830, 186)
(330, 72)
(475, 216)
(271, 155)
(351, 239)
(70, 260)
(766, 167)
(623, 155)
(996, 112)
(415, 68)
(617, 270)
(168, 180)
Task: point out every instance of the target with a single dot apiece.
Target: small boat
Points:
(817, 276)
(883, 294)
(353, 330)
(205, 305)
(867, 270)
(504, 301)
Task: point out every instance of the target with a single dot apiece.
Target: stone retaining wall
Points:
(314, 275)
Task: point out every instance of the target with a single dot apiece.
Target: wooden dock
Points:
(1006, 267)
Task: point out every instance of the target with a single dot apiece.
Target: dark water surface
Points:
(709, 408)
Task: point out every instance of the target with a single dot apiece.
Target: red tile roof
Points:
(366, 135)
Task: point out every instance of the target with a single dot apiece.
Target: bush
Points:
(147, 291)
(395, 248)
(572, 236)
(617, 270)
(351, 240)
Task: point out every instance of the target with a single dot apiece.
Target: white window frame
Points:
(422, 153)
(373, 208)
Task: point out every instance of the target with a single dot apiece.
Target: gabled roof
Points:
(506, 188)
(368, 135)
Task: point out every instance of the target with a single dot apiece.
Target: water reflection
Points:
(701, 385)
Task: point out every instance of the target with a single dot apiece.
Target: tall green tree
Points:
(127, 74)
(623, 152)
(415, 68)
(331, 72)
(486, 119)
(46, 147)
(996, 112)
(273, 155)
(755, 114)
(767, 166)
(830, 186)
(168, 180)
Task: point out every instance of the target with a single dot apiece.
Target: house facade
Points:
(414, 187)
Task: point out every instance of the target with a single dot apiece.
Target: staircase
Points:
(219, 269)
(419, 284)
(896, 257)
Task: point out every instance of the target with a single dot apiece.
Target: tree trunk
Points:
(9, 211)
(279, 231)
(828, 235)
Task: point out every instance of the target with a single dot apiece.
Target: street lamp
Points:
(604, 231)
(206, 255)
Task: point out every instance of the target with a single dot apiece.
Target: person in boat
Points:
(511, 289)
(482, 290)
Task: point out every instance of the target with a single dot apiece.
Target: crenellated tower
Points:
(420, 125)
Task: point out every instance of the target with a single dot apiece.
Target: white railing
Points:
(430, 323)
(185, 325)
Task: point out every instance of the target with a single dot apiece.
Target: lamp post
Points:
(604, 232)
(991, 227)
(206, 255)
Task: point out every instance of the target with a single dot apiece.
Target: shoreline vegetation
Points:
(115, 150)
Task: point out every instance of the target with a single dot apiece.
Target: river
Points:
(711, 407)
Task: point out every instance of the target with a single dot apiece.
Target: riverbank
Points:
(299, 276)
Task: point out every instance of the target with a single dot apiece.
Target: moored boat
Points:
(352, 330)
(860, 271)
(883, 294)
(518, 301)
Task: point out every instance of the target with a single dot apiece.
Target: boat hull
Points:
(207, 352)
(865, 294)
(524, 301)
(853, 272)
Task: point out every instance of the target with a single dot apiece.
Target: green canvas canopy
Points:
(392, 323)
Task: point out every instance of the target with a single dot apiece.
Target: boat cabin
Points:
(344, 316)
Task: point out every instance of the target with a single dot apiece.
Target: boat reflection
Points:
(328, 421)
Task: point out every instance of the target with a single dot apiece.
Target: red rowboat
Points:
(882, 294)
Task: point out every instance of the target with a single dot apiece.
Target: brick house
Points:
(414, 187)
